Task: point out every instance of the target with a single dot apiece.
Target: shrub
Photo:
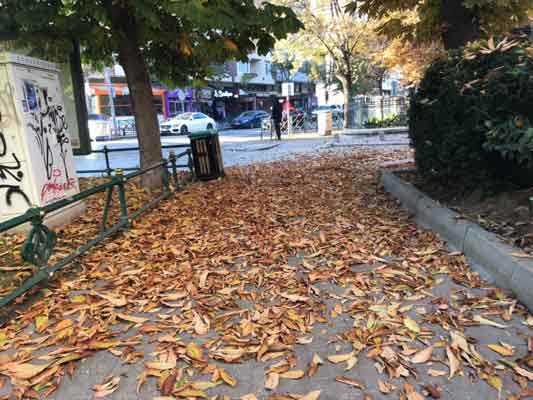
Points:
(387, 122)
(472, 115)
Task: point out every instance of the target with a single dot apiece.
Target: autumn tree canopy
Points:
(455, 22)
(177, 40)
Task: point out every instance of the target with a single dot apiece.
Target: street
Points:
(240, 147)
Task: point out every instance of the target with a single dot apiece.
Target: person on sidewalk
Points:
(276, 116)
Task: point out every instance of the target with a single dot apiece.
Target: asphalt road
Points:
(239, 147)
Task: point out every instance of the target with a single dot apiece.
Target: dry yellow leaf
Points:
(294, 374)
(504, 351)
(422, 356)
(411, 324)
(338, 358)
(227, 378)
(272, 381)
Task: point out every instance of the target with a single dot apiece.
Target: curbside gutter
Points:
(487, 253)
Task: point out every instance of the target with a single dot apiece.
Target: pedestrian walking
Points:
(276, 116)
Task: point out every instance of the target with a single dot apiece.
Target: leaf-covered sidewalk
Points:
(289, 280)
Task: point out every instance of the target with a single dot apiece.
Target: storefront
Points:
(99, 93)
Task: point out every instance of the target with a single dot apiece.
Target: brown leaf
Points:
(194, 352)
(227, 378)
(436, 372)
(294, 374)
(131, 318)
(504, 351)
(25, 370)
(422, 356)
(411, 393)
(272, 381)
(109, 385)
(453, 362)
(168, 384)
(350, 381)
(385, 387)
(160, 365)
(434, 391)
(294, 297)
(338, 358)
(314, 395)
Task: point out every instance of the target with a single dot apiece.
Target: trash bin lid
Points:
(203, 134)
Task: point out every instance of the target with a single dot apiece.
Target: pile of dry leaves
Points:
(299, 280)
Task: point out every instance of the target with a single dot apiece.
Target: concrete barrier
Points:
(487, 254)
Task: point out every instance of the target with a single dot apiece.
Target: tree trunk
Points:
(346, 81)
(140, 88)
(461, 24)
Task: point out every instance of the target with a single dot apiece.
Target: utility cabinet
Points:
(36, 159)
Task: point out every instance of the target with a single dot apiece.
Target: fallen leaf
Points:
(350, 381)
(411, 324)
(314, 395)
(385, 387)
(249, 397)
(190, 392)
(294, 297)
(483, 321)
(436, 372)
(434, 391)
(227, 378)
(504, 351)
(495, 381)
(422, 356)
(131, 318)
(41, 323)
(453, 362)
(109, 385)
(160, 365)
(25, 370)
(194, 352)
(338, 358)
(272, 381)
(411, 393)
(116, 301)
(294, 374)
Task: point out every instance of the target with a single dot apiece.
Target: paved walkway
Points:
(302, 276)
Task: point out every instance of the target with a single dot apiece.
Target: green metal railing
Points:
(40, 242)
(109, 170)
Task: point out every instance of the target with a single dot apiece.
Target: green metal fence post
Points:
(166, 176)
(172, 158)
(108, 202)
(107, 164)
(119, 173)
(190, 163)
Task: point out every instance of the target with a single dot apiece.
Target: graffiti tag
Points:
(10, 169)
(49, 127)
(56, 189)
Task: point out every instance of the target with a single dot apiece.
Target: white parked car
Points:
(99, 127)
(186, 123)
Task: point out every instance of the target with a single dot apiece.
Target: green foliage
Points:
(180, 39)
(387, 122)
(472, 115)
(494, 16)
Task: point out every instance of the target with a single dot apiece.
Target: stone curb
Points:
(487, 253)
(375, 131)
(258, 148)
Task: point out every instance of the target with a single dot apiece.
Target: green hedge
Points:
(387, 122)
(471, 117)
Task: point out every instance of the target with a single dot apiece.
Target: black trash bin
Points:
(206, 155)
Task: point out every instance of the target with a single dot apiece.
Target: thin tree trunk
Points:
(140, 88)
(346, 81)
(461, 24)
